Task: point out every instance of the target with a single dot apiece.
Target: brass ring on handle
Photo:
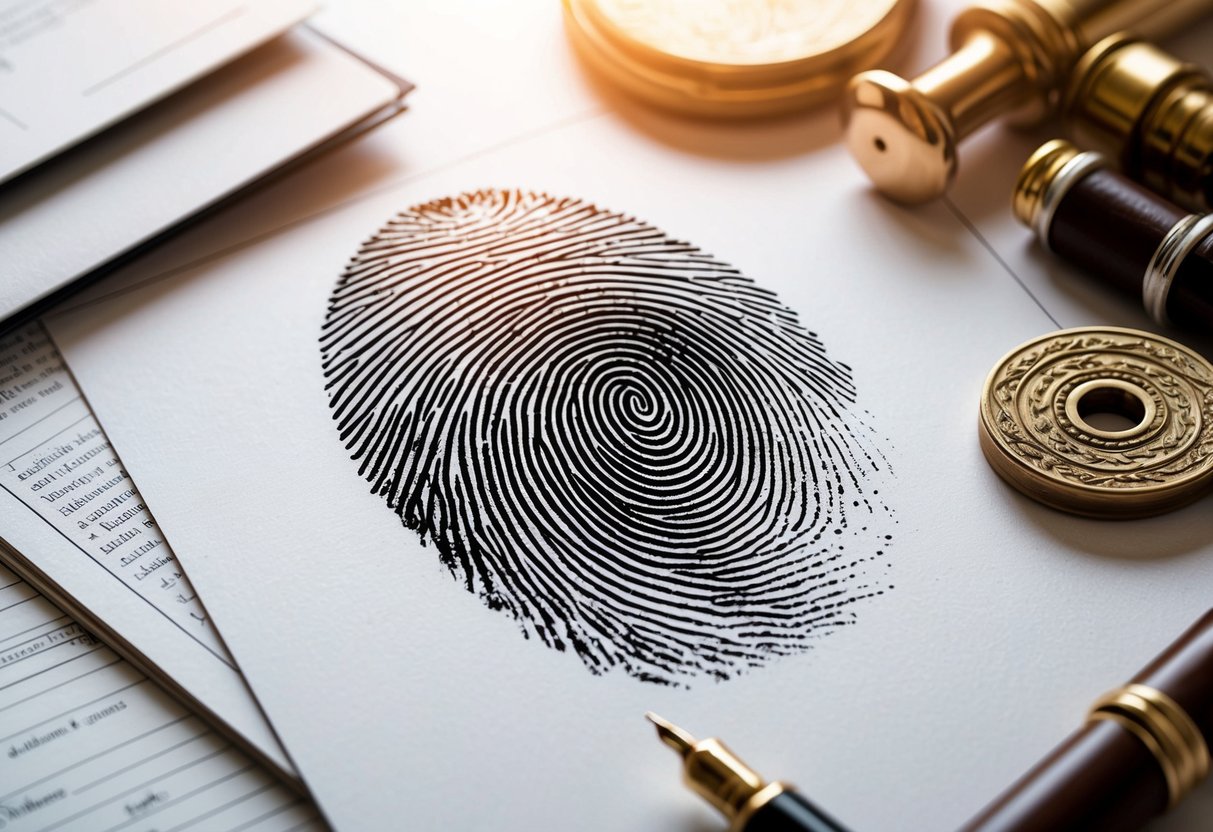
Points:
(1164, 728)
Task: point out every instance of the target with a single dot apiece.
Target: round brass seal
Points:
(1040, 402)
(734, 57)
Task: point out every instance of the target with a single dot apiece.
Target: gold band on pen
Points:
(756, 801)
(1164, 728)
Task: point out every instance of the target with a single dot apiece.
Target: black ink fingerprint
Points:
(628, 446)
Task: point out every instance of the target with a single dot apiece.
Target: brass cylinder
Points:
(1009, 57)
(1150, 112)
(1035, 178)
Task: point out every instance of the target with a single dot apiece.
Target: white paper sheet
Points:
(81, 529)
(58, 223)
(1004, 619)
(71, 68)
(996, 606)
(87, 742)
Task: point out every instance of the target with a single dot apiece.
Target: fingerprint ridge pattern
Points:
(629, 447)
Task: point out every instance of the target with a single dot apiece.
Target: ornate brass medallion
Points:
(1040, 433)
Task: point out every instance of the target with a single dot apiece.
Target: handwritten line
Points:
(184, 797)
(144, 785)
(92, 757)
(51, 622)
(47, 440)
(29, 728)
(63, 630)
(224, 807)
(142, 761)
(61, 684)
(164, 50)
(33, 425)
(286, 807)
(18, 123)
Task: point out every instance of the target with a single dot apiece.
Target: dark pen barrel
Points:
(1100, 777)
(789, 812)
(1117, 232)
(1191, 301)
(1112, 775)
(1110, 227)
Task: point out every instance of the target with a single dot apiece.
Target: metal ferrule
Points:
(720, 777)
(1180, 241)
(1150, 112)
(1044, 181)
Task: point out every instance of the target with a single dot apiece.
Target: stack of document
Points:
(120, 121)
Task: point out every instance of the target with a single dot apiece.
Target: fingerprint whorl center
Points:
(621, 442)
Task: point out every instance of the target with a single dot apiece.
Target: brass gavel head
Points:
(1012, 58)
(903, 141)
(904, 134)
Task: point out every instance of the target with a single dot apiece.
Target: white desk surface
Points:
(493, 75)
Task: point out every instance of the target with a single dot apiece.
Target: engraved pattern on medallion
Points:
(1030, 423)
(741, 32)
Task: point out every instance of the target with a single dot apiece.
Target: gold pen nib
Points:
(672, 735)
(710, 768)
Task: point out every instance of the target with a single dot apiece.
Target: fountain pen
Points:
(750, 803)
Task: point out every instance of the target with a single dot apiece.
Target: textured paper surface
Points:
(167, 163)
(1004, 619)
(997, 605)
(88, 742)
(79, 527)
(71, 69)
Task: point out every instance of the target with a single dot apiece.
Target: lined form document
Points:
(78, 529)
(88, 742)
(66, 473)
